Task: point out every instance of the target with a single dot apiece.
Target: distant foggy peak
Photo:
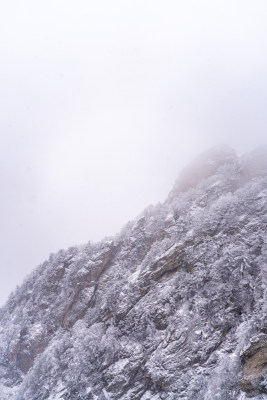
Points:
(204, 166)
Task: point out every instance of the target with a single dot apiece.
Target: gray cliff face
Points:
(174, 307)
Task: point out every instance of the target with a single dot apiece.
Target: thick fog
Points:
(102, 104)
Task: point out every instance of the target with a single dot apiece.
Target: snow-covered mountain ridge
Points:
(173, 307)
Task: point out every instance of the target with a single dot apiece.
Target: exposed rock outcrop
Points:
(254, 362)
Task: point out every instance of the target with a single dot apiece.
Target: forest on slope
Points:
(173, 307)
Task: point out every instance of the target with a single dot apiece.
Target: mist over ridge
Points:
(103, 103)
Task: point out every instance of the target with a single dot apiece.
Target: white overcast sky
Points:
(104, 101)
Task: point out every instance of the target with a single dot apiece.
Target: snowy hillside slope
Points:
(173, 307)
